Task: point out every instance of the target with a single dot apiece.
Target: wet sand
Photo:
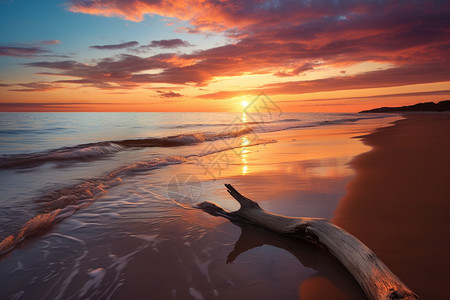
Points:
(398, 203)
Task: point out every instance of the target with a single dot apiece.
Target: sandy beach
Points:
(398, 202)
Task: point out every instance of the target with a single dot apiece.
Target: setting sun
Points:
(244, 103)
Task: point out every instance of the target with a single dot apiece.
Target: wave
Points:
(37, 223)
(63, 203)
(92, 151)
(183, 139)
(196, 125)
(80, 152)
(60, 204)
(290, 120)
(148, 165)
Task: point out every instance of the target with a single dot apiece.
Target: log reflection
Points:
(332, 280)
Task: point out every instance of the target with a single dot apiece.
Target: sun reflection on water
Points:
(244, 118)
(244, 142)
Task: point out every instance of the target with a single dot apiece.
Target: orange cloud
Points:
(203, 15)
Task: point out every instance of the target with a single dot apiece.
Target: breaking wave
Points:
(92, 151)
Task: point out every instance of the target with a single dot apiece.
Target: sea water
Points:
(92, 205)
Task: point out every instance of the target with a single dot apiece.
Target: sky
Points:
(215, 55)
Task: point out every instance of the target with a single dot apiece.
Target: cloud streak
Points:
(50, 42)
(34, 87)
(115, 46)
(56, 106)
(27, 50)
(168, 44)
(21, 51)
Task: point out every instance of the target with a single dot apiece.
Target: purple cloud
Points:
(169, 94)
(27, 50)
(115, 46)
(21, 51)
(172, 43)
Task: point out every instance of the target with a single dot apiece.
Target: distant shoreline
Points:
(419, 107)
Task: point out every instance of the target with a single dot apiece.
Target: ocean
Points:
(102, 205)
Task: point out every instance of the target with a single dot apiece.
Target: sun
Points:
(244, 103)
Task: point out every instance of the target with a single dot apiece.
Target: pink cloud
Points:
(283, 38)
(50, 42)
(172, 43)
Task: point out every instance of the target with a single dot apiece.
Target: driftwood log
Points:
(374, 277)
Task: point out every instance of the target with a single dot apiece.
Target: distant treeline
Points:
(426, 106)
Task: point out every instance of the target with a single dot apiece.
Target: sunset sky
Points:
(170, 55)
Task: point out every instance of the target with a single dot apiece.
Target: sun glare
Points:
(244, 103)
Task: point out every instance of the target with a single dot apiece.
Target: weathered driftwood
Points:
(377, 281)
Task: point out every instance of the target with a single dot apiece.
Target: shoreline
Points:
(397, 203)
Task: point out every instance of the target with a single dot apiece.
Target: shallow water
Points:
(121, 222)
